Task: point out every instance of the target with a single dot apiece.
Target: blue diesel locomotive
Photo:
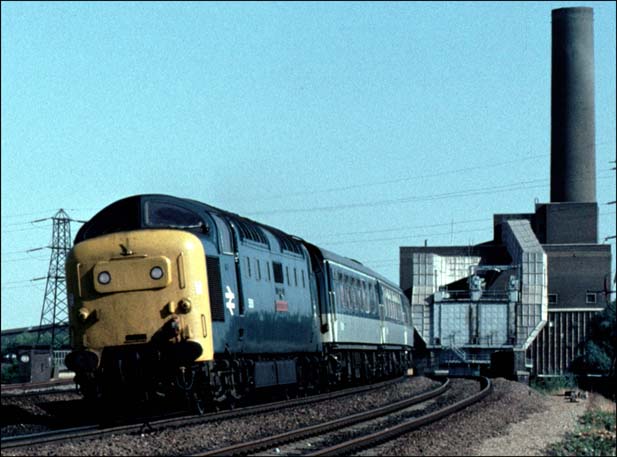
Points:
(169, 295)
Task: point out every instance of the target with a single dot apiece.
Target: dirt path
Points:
(532, 435)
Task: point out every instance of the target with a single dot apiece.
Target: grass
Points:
(595, 436)
(553, 385)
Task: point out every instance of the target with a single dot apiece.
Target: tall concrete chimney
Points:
(573, 154)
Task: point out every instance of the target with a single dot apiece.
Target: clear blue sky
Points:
(360, 127)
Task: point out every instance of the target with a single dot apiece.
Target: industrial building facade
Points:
(532, 290)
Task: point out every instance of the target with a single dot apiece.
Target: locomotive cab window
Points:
(161, 214)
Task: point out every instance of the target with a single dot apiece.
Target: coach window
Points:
(341, 289)
(354, 295)
(340, 292)
(349, 292)
(373, 298)
(365, 303)
(361, 296)
(348, 296)
(360, 306)
(356, 299)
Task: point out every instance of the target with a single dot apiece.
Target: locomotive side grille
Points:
(214, 287)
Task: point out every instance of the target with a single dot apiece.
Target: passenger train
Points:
(169, 296)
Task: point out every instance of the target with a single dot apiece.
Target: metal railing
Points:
(58, 359)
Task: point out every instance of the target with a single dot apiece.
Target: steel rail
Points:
(294, 435)
(37, 388)
(397, 430)
(78, 433)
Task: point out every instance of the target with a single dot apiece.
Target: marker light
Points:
(156, 273)
(104, 277)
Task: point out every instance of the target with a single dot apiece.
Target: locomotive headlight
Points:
(24, 358)
(104, 277)
(156, 273)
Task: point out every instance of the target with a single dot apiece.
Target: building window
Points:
(590, 298)
(248, 266)
(257, 269)
(553, 299)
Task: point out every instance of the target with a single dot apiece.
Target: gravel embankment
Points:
(187, 440)
(23, 414)
(513, 420)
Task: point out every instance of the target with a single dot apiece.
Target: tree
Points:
(600, 354)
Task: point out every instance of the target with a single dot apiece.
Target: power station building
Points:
(530, 292)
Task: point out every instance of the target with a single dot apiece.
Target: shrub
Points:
(596, 437)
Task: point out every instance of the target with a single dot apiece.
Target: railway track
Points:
(148, 425)
(279, 444)
(38, 388)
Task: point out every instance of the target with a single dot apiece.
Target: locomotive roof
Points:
(118, 209)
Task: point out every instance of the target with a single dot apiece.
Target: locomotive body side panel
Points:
(271, 309)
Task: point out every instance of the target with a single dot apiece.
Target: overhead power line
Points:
(451, 232)
(520, 185)
(365, 184)
(411, 227)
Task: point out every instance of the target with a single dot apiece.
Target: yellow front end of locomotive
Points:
(140, 287)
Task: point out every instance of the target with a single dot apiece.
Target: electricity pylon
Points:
(55, 307)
